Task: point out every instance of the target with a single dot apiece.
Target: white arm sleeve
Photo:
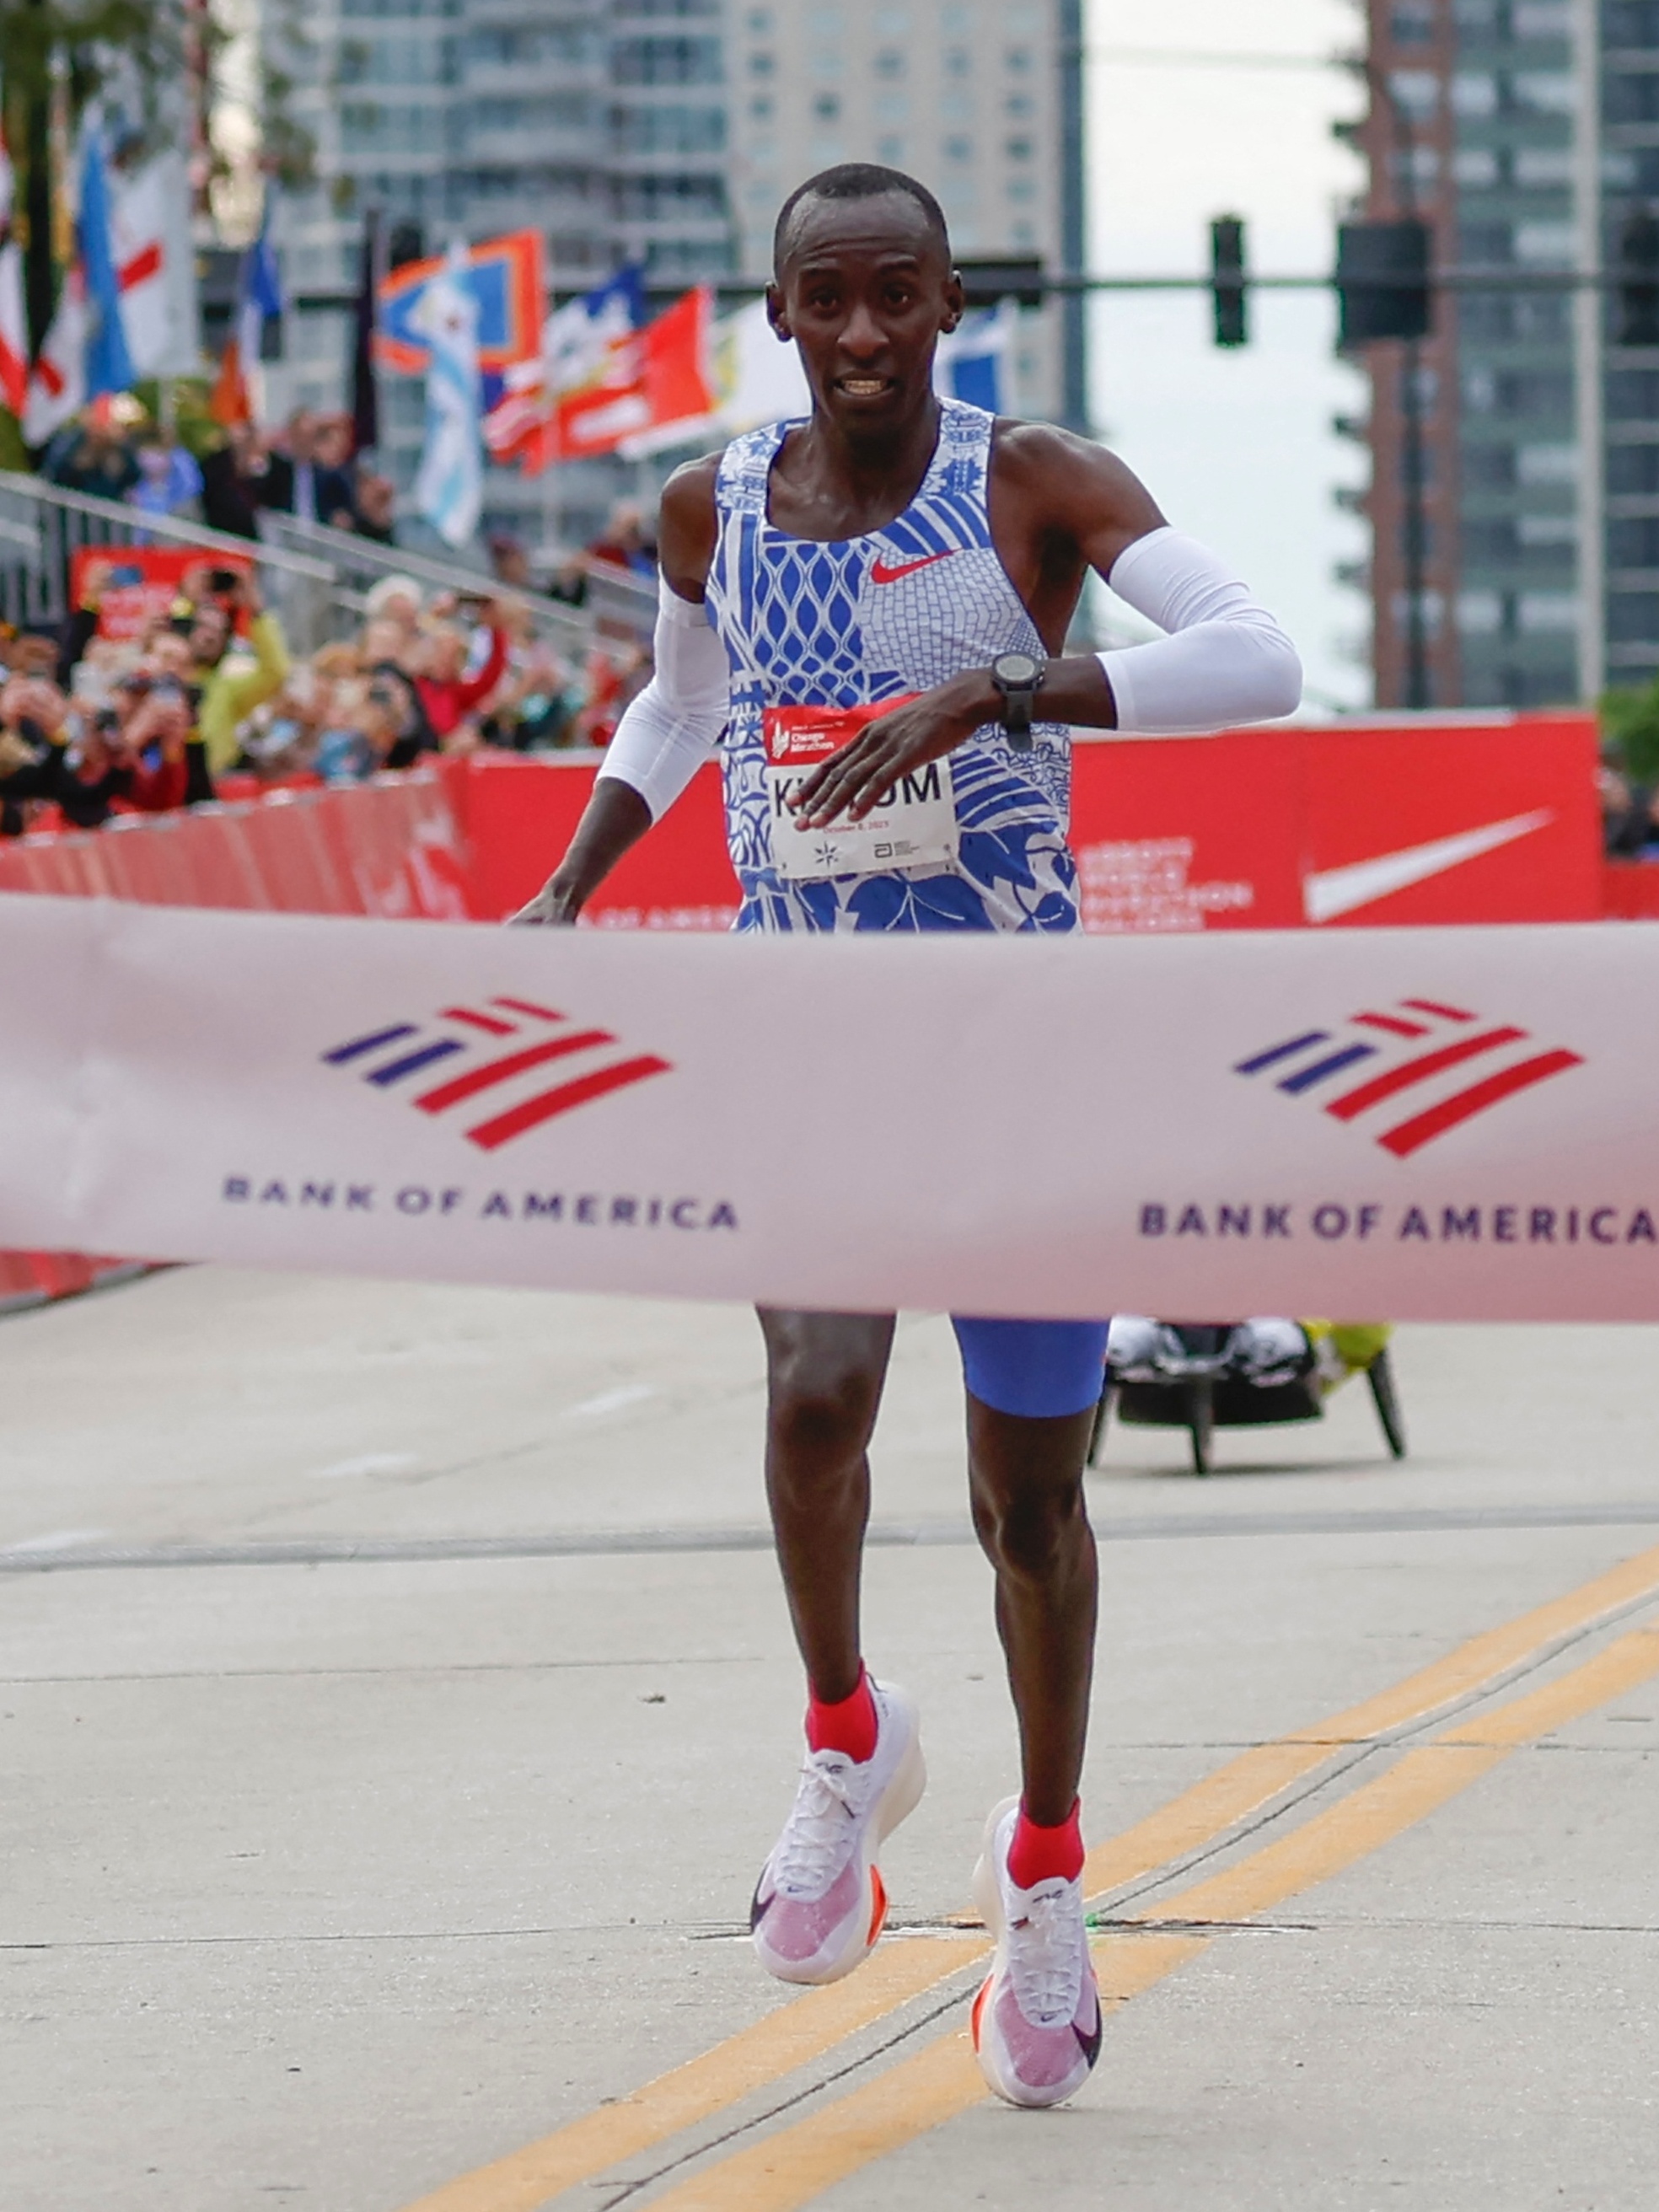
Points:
(674, 726)
(1226, 659)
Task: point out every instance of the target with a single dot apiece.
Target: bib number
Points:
(913, 825)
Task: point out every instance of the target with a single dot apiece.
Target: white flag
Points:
(149, 226)
(14, 323)
(757, 379)
(58, 382)
(449, 489)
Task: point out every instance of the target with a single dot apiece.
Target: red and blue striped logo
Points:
(1424, 1050)
(458, 1037)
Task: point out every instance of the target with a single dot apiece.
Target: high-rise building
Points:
(668, 132)
(1527, 133)
(980, 98)
(602, 126)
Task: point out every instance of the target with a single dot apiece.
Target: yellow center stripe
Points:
(797, 2032)
(782, 2172)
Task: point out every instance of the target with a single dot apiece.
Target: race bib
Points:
(913, 825)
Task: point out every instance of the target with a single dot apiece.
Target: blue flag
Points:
(109, 365)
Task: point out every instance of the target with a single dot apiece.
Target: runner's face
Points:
(866, 290)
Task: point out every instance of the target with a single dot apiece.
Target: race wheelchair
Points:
(1250, 1374)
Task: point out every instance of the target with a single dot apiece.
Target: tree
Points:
(1630, 721)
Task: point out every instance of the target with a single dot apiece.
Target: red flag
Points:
(229, 402)
(651, 379)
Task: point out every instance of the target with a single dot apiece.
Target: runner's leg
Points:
(1026, 1484)
(824, 1375)
(819, 1904)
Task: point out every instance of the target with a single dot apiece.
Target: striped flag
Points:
(13, 324)
(449, 489)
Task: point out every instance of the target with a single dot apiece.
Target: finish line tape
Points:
(1410, 1124)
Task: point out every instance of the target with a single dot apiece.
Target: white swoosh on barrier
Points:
(1335, 891)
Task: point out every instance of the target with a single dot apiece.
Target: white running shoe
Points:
(819, 1904)
(1036, 2019)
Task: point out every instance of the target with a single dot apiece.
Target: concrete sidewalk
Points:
(333, 1878)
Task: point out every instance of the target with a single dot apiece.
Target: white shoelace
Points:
(817, 1836)
(1045, 1958)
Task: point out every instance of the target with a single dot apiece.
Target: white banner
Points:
(1409, 1124)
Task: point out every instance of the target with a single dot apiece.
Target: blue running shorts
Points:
(1036, 1369)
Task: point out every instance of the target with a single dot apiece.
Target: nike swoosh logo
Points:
(1339, 890)
(881, 573)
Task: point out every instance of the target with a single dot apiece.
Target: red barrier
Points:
(1482, 821)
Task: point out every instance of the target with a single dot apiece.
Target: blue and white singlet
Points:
(847, 621)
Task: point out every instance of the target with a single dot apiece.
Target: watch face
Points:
(1016, 668)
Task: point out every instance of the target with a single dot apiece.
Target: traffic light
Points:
(1638, 280)
(1232, 322)
(1383, 280)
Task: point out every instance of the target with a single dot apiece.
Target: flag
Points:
(229, 402)
(14, 323)
(58, 382)
(652, 388)
(756, 378)
(155, 266)
(259, 294)
(575, 346)
(974, 361)
(365, 391)
(507, 280)
(108, 362)
(449, 489)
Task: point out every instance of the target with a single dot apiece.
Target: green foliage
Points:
(1630, 726)
(151, 35)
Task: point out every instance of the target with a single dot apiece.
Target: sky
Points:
(1238, 448)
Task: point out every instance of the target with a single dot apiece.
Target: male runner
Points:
(899, 547)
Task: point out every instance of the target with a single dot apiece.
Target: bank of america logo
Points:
(1424, 1048)
(405, 1051)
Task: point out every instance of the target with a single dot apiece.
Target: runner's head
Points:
(863, 282)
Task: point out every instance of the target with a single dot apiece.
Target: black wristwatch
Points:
(1018, 677)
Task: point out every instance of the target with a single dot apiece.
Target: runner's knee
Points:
(1028, 1535)
(822, 1414)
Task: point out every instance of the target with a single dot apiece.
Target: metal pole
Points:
(1589, 325)
(1073, 220)
(1415, 548)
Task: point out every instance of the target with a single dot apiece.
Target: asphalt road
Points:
(397, 1703)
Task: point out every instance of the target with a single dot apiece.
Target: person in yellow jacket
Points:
(232, 688)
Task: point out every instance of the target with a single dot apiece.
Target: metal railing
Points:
(317, 576)
(612, 602)
(43, 527)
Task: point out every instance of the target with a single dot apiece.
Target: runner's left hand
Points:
(851, 782)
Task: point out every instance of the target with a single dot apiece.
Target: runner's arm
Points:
(671, 728)
(1223, 661)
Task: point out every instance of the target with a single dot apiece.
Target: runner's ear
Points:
(956, 300)
(778, 315)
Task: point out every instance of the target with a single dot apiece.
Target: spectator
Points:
(375, 501)
(91, 455)
(623, 543)
(231, 691)
(295, 481)
(33, 716)
(169, 482)
(230, 487)
(447, 692)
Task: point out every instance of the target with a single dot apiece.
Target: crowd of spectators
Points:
(208, 700)
(305, 468)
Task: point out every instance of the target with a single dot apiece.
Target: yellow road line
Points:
(797, 2033)
(942, 2080)
(1252, 1780)
(1361, 1823)
(782, 2172)
(790, 2037)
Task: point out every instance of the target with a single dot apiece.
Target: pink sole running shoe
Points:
(1036, 2019)
(819, 1904)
